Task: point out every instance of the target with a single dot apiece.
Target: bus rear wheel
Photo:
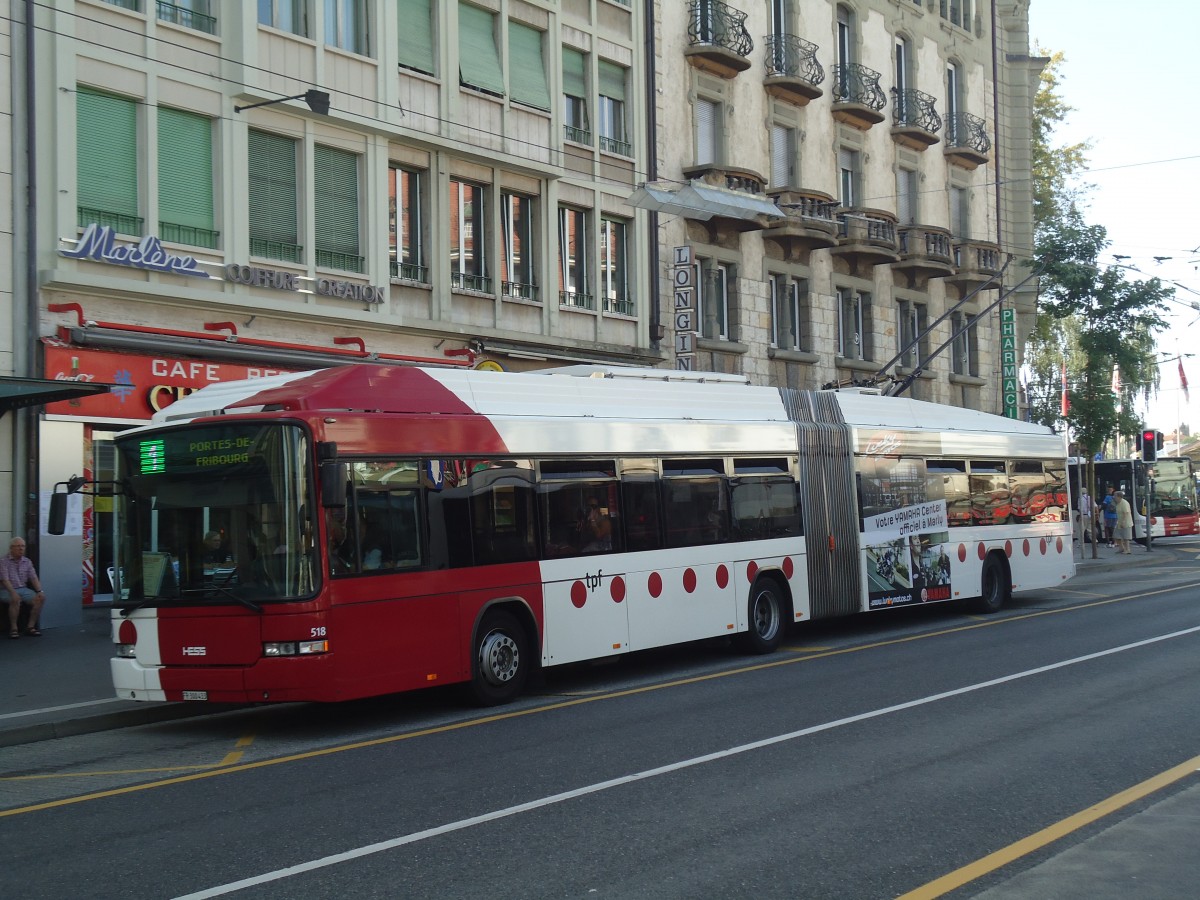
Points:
(995, 587)
(765, 618)
(500, 663)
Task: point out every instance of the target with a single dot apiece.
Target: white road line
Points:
(600, 786)
(50, 709)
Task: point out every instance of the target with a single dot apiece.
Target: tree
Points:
(1055, 168)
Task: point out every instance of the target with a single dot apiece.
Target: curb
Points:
(124, 718)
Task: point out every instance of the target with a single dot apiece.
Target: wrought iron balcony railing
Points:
(335, 259)
(188, 18)
(276, 250)
(410, 272)
(969, 132)
(576, 300)
(914, 109)
(612, 145)
(715, 23)
(519, 290)
(189, 234)
(578, 135)
(478, 283)
(793, 57)
(133, 5)
(855, 83)
(118, 222)
(620, 306)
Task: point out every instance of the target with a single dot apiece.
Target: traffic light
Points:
(1150, 444)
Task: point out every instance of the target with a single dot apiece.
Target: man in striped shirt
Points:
(20, 582)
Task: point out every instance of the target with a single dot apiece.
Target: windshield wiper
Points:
(236, 598)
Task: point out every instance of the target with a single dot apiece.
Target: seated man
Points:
(20, 582)
(596, 528)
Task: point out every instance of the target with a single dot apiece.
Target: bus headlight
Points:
(295, 648)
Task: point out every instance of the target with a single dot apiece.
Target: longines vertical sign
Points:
(683, 279)
(1008, 361)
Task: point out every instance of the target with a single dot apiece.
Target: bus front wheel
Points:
(995, 585)
(501, 659)
(766, 621)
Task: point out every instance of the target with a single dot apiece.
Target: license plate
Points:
(195, 695)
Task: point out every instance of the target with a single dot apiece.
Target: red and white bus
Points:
(1168, 484)
(369, 529)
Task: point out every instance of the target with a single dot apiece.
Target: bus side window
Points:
(696, 511)
(642, 513)
(1056, 488)
(502, 512)
(1027, 484)
(764, 508)
(991, 501)
(951, 475)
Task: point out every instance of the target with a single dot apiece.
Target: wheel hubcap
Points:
(766, 617)
(499, 658)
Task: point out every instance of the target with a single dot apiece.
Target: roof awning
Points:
(16, 393)
(703, 202)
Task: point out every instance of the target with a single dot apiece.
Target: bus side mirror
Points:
(57, 523)
(333, 485)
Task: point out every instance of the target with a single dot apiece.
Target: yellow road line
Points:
(1050, 834)
(564, 704)
(50, 776)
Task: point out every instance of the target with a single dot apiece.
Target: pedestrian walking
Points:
(1109, 507)
(1123, 533)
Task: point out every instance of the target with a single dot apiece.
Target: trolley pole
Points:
(1149, 508)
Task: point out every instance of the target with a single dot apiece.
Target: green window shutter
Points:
(272, 194)
(527, 69)
(612, 80)
(573, 67)
(107, 153)
(416, 35)
(185, 169)
(478, 59)
(335, 200)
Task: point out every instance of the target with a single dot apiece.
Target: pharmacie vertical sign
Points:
(683, 282)
(1008, 362)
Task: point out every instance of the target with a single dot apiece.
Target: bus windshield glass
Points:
(1173, 488)
(215, 513)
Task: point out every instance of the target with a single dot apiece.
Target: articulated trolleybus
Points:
(371, 529)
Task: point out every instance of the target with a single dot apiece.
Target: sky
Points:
(1129, 74)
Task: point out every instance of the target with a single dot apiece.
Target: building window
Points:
(335, 214)
(611, 111)
(783, 156)
(914, 343)
(527, 67)
(614, 266)
(960, 221)
(416, 36)
(517, 265)
(468, 237)
(849, 176)
(185, 178)
(854, 311)
(957, 12)
(788, 306)
(906, 196)
(573, 258)
(195, 14)
(708, 131)
(107, 162)
(965, 344)
(953, 94)
(478, 57)
(271, 197)
(346, 25)
(713, 284)
(406, 224)
(286, 15)
(575, 115)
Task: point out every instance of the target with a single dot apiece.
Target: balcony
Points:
(975, 263)
(732, 199)
(464, 281)
(915, 123)
(336, 259)
(925, 252)
(967, 141)
(621, 306)
(186, 17)
(280, 250)
(718, 42)
(857, 97)
(519, 290)
(188, 234)
(810, 223)
(410, 272)
(866, 237)
(793, 71)
(120, 223)
(577, 135)
(575, 300)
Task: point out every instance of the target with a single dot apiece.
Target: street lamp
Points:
(318, 102)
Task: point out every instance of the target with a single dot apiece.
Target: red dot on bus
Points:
(788, 567)
(127, 633)
(982, 550)
(1025, 546)
(578, 594)
(751, 570)
(1008, 549)
(722, 577)
(1058, 545)
(617, 589)
(1043, 548)
(962, 552)
(654, 583)
(689, 580)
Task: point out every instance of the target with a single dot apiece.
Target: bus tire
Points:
(500, 659)
(766, 621)
(995, 585)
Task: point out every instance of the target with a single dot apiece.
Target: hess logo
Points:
(195, 651)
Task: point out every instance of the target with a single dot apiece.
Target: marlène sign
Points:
(99, 243)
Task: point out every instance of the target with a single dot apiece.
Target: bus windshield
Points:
(1173, 488)
(215, 513)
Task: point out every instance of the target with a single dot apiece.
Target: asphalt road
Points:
(868, 759)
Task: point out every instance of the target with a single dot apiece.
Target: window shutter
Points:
(107, 160)
(612, 80)
(706, 136)
(335, 196)
(416, 35)
(904, 185)
(185, 170)
(478, 60)
(573, 67)
(272, 193)
(781, 156)
(527, 68)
